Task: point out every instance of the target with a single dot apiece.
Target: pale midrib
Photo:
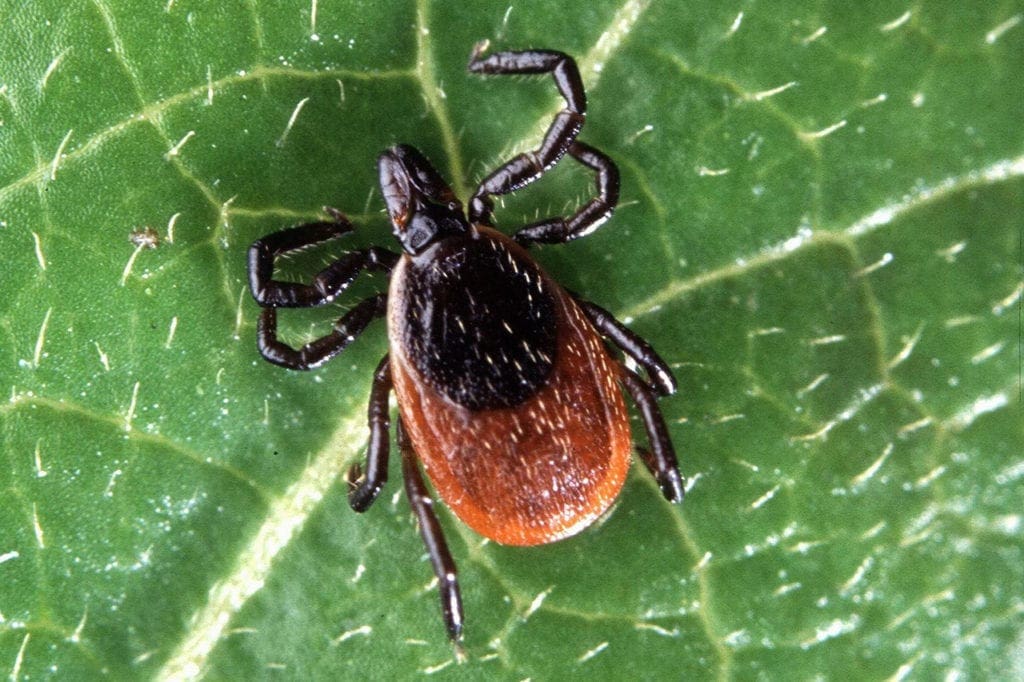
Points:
(283, 522)
(999, 171)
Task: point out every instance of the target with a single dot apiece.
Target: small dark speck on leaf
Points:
(145, 237)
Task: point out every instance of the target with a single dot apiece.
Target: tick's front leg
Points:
(525, 168)
(328, 283)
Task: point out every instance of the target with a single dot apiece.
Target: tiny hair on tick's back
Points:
(509, 387)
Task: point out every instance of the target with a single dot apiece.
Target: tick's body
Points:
(507, 393)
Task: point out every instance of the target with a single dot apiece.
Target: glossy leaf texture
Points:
(820, 229)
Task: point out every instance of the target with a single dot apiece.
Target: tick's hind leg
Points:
(660, 459)
(591, 215)
(658, 372)
(433, 537)
(525, 168)
(364, 488)
(328, 283)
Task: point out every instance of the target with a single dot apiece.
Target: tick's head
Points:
(422, 208)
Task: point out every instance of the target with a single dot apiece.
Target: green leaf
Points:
(820, 230)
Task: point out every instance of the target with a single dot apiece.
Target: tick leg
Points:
(525, 168)
(327, 284)
(318, 351)
(633, 345)
(361, 494)
(591, 215)
(661, 458)
(433, 537)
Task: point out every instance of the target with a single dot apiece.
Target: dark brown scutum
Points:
(478, 322)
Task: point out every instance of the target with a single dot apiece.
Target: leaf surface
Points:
(820, 230)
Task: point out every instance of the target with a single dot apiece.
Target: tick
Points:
(508, 386)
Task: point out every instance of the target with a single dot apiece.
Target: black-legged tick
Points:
(507, 393)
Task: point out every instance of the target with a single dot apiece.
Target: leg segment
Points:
(591, 215)
(658, 372)
(330, 282)
(661, 458)
(362, 494)
(433, 537)
(318, 351)
(525, 168)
